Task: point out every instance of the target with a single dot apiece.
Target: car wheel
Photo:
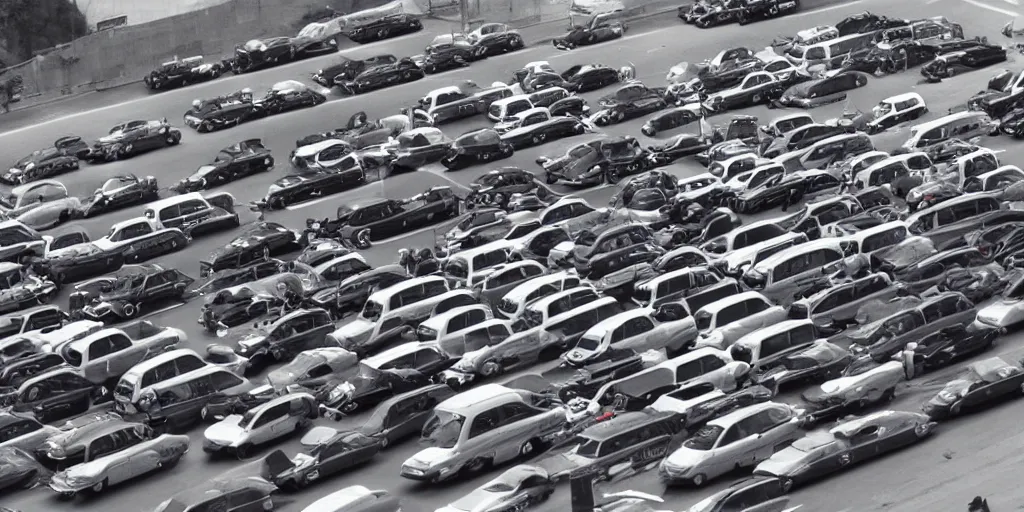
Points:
(648, 131)
(787, 485)
(384, 443)
(539, 138)
(955, 410)
(475, 466)
(580, 129)
(204, 127)
(243, 450)
(127, 150)
(491, 369)
(528, 448)
(98, 488)
(362, 239)
(485, 157)
(130, 310)
(699, 480)
(350, 407)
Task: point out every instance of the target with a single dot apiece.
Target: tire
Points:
(889, 395)
(130, 311)
(361, 239)
(475, 466)
(350, 407)
(538, 139)
(98, 488)
(786, 484)
(528, 448)
(491, 369)
(699, 480)
(955, 410)
(243, 451)
(650, 132)
(384, 443)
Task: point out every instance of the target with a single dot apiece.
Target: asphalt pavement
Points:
(975, 455)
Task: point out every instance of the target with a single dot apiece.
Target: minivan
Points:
(724, 321)
(515, 301)
(537, 313)
(744, 236)
(736, 262)
(834, 149)
(505, 278)
(147, 373)
(505, 108)
(828, 53)
(900, 172)
(957, 216)
(765, 346)
(174, 404)
(961, 125)
(673, 285)
(787, 273)
(440, 328)
(390, 313)
(470, 267)
(837, 307)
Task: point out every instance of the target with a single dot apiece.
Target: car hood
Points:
(355, 329)
(563, 463)
(110, 138)
(784, 462)
(226, 431)
(687, 457)
(1004, 313)
(477, 501)
(429, 457)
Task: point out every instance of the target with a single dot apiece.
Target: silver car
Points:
(260, 425)
(40, 204)
(742, 438)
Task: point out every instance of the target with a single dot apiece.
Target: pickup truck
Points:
(142, 239)
(193, 213)
(452, 103)
(105, 355)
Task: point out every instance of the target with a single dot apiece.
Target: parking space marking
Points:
(992, 8)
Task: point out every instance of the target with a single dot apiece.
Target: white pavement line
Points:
(823, 9)
(1012, 2)
(314, 202)
(992, 8)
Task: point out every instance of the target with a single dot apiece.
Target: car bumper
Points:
(64, 487)
(457, 377)
(421, 475)
(215, 447)
(578, 181)
(673, 474)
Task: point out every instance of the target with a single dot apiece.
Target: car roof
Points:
(479, 397)
(160, 204)
(742, 413)
(767, 332)
(438, 322)
(601, 328)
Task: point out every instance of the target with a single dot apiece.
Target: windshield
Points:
(703, 320)
(620, 151)
(128, 282)
(372, 311)
(797, 52)
(125, 388)
(883, 108)
(499, 487)
(13, 278)
(443, 429)
(589, 342)
(587, 447)
(532, 317)
(457, 267)
(705, 438)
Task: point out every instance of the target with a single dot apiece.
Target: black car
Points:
(378, 219)
(497, 39)
(494, 188)
(951, 64)
(601, 27)
(259, 242)
(263, 53)
(288, 95)
(283, 338)
(952, 344)
(222, 112)
(450, 51)
(622, 111)
(883, 59)
(753, 10)
(867, 22)
(680, 146)
(46, 163)
(602, 160)
(321, 458)
(77, 263)
(123, 296)
(67, 394)
(233, 162)
(478, 146)
(312, 183)
(180, 73)
(574, 106)
(350, 295)
(372, 385)
(539, 126)
(386, 27)
(244, 272)
(121, 192)
(379, 77)
(348, 69)
(16, 372)
(717, 12)
(590, 77)
(130, 139)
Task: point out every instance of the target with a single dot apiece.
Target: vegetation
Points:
(28, 26)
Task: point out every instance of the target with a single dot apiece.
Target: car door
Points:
(270, 424)
(864, 444)
(112, 356)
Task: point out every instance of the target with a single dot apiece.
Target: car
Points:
(496, 187)
(477, 146)
(758, 87)
(23, 432)
(853, 441)
(521, 486)
(125, 462)
(132, 138)
(317, 251)
(120, 192)
(672, 118)
(982, 383)
(312, 183)
(21, 290)
(356, 498)
(760, 494)
(237, 305)
(881, 59)
(362, 223)
(601, 27)
(452, 103)
(207, 115)
(19, 470)
(259, 241)
(348, 68)
(816, 93)
(262, 53)
(349, 295)
(403, 368)
(326, 452)
(574, 106)
(589, 77)
(887, 336)
(213, 494)
(260, 425)
(234, 162)
(378, 29)
(24, 367)
(862, 384)
(625, 110)
(40, 205)
(893, 111)
(496, 39)
(947, 65)
(449, 51)
(124, 295)
(73, 446)
(287, 96)
(719, 446)
(951, 345)
(280, 339)
(606, 159)
(45, 163)
(182, 72)
(68, 394)
(405, 70)
(537, 126)
(752, 10)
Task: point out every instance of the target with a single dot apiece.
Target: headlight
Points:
(946, 396)
(343, 390)
(30, 166)
(81, 480)
(414, 471)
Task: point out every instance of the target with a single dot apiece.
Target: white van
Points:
(158, 369)
(538, 313)
(472, 266)
(390, 313)
(763, 346)
(828, 52)
(726, 320)
(736, 262)
(515, 301)
(447, 325)
(961, 125)
(784, 274)
(504, 109)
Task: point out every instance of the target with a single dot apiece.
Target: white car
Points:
(260, 425)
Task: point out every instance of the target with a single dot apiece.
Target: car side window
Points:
(101, 446)
(485, 422)
(276, 412)
(222, 380)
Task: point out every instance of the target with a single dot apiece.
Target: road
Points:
(976, 455)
